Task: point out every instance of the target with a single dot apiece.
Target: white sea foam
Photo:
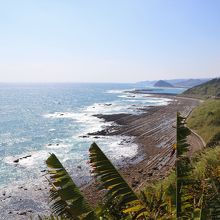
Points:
(35, 158)
(129, 150)
(134, 96)
(86, 120)
(116, 91)
(70, 115)
(88, 123)
(56, 146)
(107, 108)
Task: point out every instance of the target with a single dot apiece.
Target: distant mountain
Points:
(188, 83)
(205, 90)
(162, 83)
(185, 83)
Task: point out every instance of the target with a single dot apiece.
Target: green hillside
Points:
(205, 90)
(205, 120)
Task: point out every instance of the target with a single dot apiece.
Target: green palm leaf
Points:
(65, 197)
(118, 191)
(184, 201)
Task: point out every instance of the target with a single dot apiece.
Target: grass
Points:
(205, 119)
(206, 163)
(206, 181)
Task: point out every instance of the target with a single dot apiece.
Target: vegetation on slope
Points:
(206, 189)
(203, 189)
(205, 120)
(205, 90)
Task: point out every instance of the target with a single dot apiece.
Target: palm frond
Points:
(184, 202)
(118, 191)
(65, 197)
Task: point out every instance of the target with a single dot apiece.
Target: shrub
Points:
(214, 141)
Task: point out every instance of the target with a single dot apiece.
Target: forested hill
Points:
(210, 89)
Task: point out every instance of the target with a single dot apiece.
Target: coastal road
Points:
(195, 141)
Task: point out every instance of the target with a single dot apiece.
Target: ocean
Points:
(38, 119)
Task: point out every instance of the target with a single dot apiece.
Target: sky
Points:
(108, 40)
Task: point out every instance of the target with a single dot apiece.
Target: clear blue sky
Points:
(108, 40)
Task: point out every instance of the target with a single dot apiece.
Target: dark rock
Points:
(135, 183)
(57, 144)
(16, 161)
(140, 171)
(150, 173)
(61, 114)
(83, 136)
(79, 167)
(22, 213)
(49, 144)
(43, 171)
(26, 156)
(101, 133)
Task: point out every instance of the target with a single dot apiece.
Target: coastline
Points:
(154, 133)
(151, 162)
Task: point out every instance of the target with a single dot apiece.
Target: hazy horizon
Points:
(104, 82)
(116, 41)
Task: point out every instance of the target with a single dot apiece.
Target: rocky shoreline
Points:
(152, 130)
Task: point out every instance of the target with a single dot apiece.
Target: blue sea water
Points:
(38, 119)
